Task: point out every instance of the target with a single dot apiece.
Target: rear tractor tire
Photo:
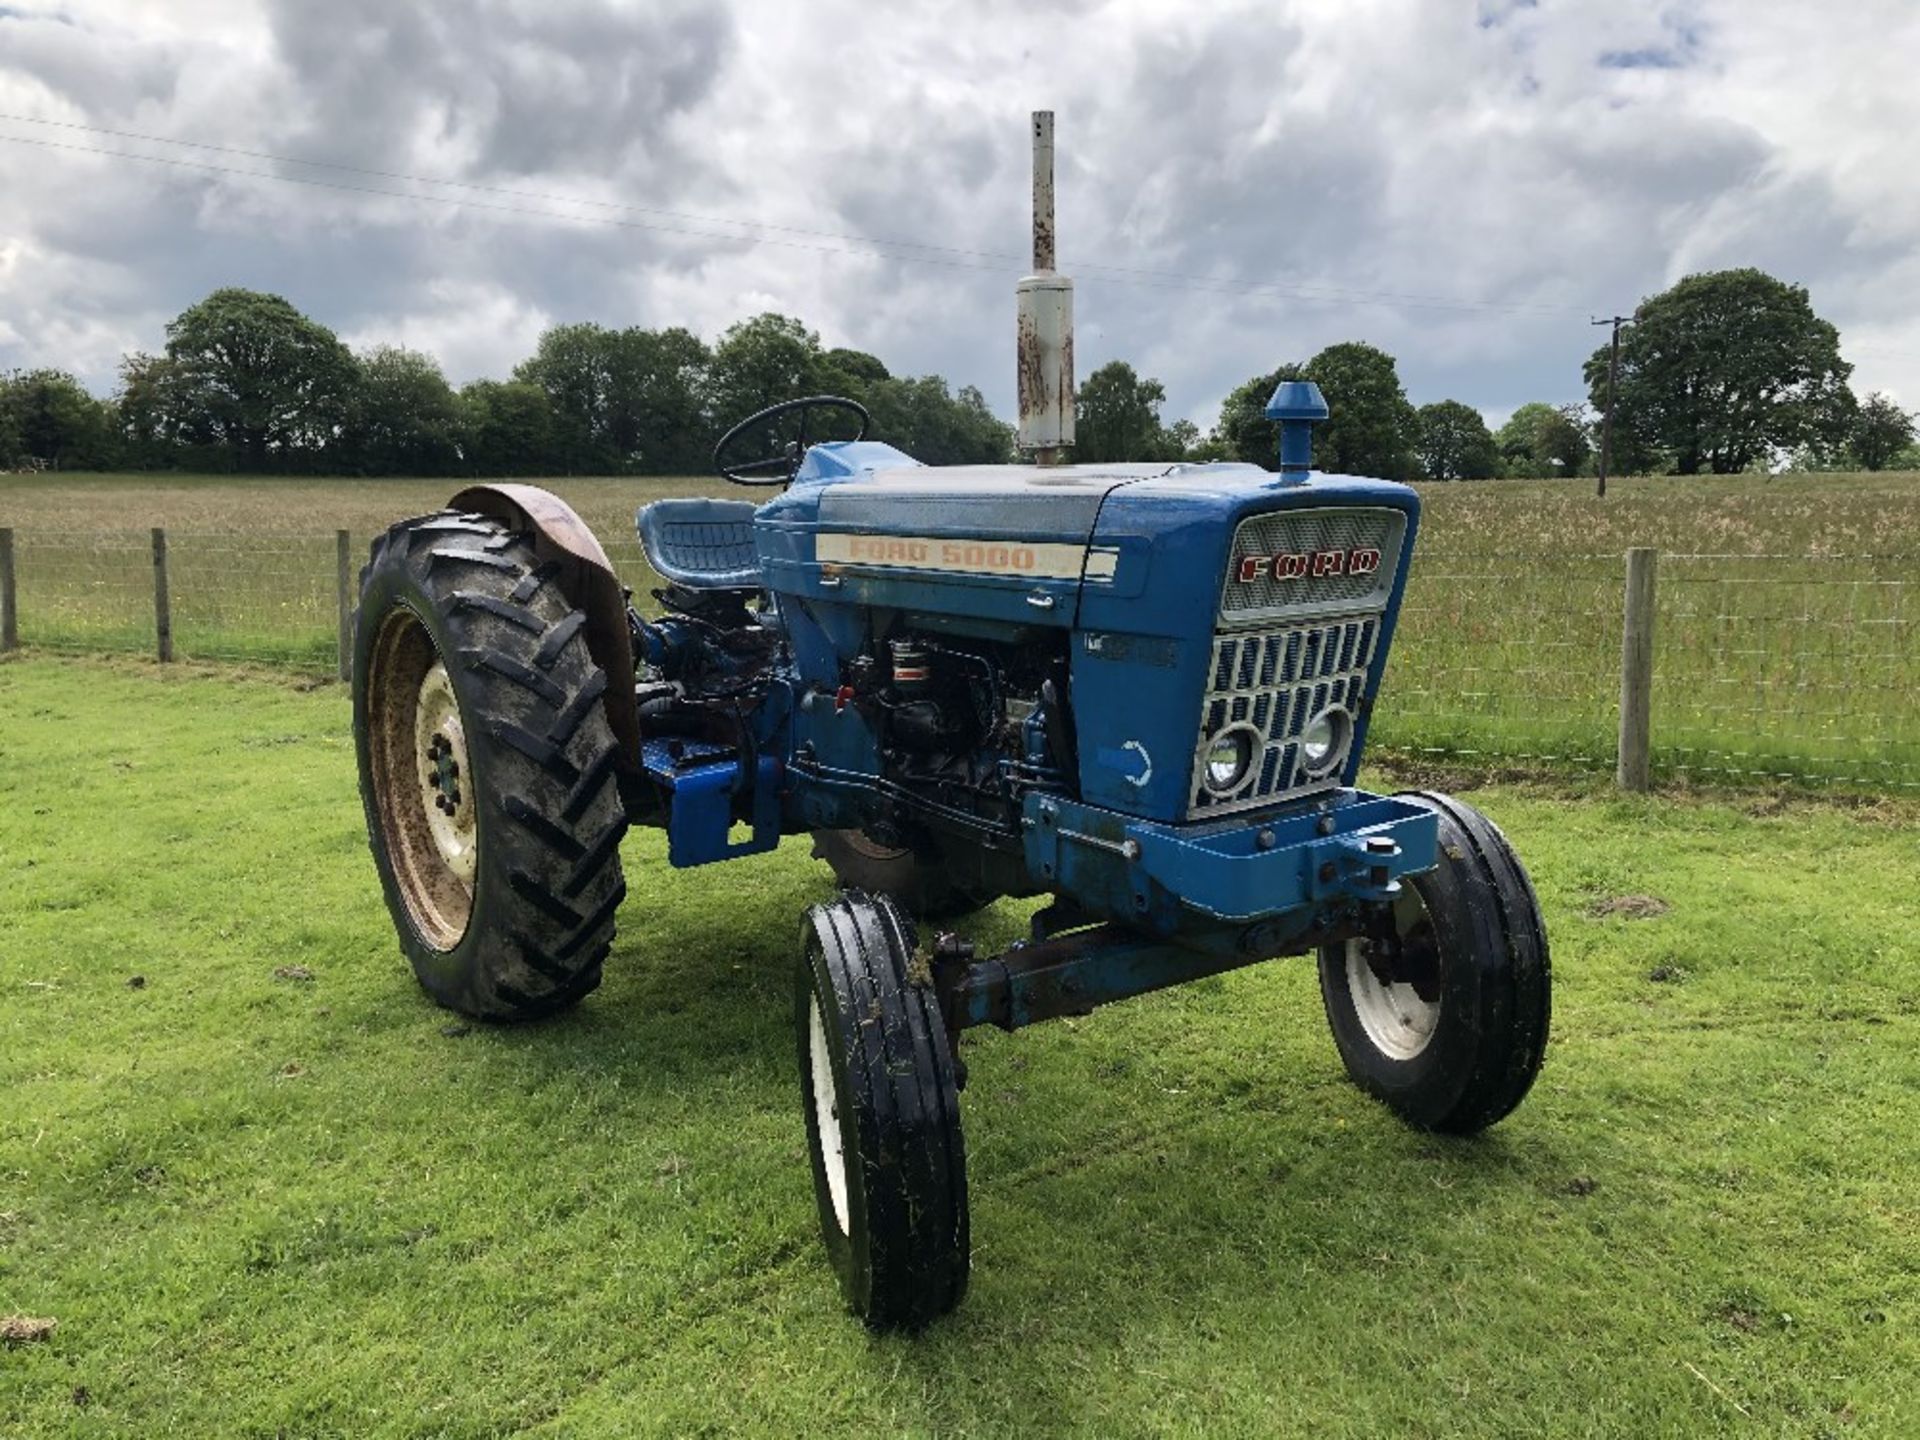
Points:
(1446, 1023)
(486, 768)
(882, 1115)
(914, 878)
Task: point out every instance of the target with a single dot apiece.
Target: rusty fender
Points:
(587, 580)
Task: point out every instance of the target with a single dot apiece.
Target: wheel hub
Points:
(443, 768)
(1394, 980)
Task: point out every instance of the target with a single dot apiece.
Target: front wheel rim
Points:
(1390, 1009)
(423, 787)
(826, 1115)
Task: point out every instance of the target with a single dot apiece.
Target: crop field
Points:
(265, 1188)
(1788, 636)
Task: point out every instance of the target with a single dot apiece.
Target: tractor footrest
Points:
(703, 782)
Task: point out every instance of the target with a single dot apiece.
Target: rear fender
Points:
(587, 580)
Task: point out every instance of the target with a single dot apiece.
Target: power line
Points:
(925, 252)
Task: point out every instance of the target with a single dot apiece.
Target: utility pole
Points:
(1606, 423)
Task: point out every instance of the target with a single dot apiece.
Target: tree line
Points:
(247, 383)
(1722, 373)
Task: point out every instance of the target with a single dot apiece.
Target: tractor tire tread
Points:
(550, 880)
(910, 1263)
(1496, 1000)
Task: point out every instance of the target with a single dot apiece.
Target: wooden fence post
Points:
(343, 584)
(162, 600)
(1635, 770)
(9, 600)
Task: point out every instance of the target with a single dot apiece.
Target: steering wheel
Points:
(779, 468)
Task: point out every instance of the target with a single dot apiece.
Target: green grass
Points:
(1788, 635)
(266, 1206)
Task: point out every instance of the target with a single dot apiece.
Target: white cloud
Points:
(1525, 163)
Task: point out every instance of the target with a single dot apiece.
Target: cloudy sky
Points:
(1461, 183)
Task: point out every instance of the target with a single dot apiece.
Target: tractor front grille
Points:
(1287, 563)
(1272, 681)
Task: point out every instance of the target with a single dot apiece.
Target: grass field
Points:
(1788, 636)
(266, 1189)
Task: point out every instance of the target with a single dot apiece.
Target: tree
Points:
(1561, 443)
(147, 404)
(760, 362)
(1372, 428)
(404, 419)
(624, 400)
(49, 416)
(1880, 432)
(1726, 369)
(1183, 441)
(254, 374)
(571, 364)
(1117, 416)
(506, 428)
(852, 368)
(1454, 443)
(1243, 431)
(11, 451)
(659, 400)
(932, 424)
(1544, 440)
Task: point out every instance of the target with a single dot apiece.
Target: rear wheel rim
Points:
(826, 1115)
(423, 785)
(1398, 1022)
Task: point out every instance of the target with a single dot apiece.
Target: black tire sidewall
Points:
(1426, 1087)
(495, 970)
(1465, 1078)
(446, 975)
(903, 1258)
(849, 1251)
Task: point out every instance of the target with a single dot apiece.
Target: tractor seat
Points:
(701, 544)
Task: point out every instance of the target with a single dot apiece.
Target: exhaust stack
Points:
(1044, 343)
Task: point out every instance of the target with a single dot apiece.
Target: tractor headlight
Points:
(1325, 740)
(1227, 758)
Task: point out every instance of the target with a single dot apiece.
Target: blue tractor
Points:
(1140, 690)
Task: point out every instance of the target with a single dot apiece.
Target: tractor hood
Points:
(868, 525)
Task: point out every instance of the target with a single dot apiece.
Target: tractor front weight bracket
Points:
(1075, 973)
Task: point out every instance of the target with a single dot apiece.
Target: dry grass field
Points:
(1788, 645)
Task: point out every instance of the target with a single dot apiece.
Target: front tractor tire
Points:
(486, 768)
(883, 1115)
(1444, 1020)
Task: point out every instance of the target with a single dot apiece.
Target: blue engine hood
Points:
(866, 524)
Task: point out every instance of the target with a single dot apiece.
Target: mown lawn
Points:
(267, 1189)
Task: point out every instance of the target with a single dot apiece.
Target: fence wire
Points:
(1768, 667)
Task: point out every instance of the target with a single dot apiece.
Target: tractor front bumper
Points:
(1343, 847)
(1180, 902)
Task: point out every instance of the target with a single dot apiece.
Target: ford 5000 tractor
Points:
(1140, 690)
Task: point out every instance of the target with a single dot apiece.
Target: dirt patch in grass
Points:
(25, 1329)
(1627, 907)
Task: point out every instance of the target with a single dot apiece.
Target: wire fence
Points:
(1768, 668)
